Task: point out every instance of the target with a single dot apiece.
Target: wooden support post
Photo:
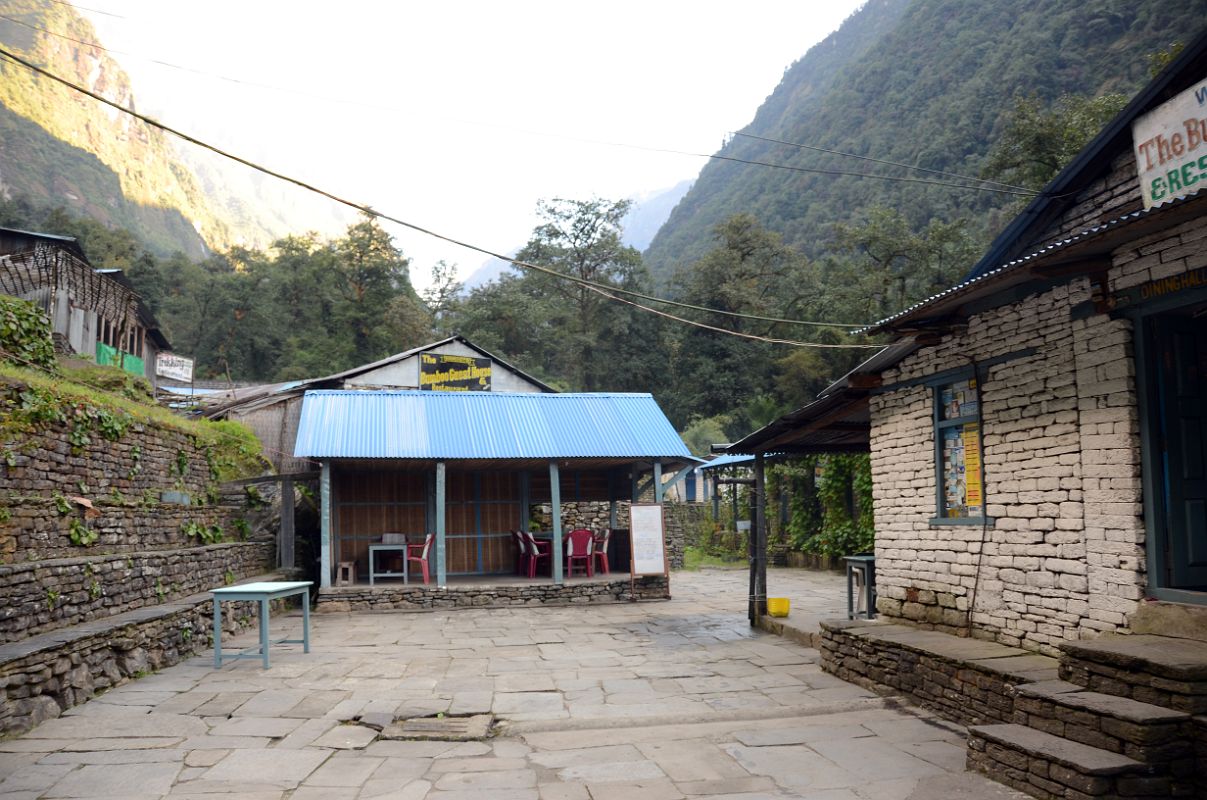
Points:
(555, 500)
(758, 532)
(287, 530)
(325, 526)
(658, 482)
(441, 562)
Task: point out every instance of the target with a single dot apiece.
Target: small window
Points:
(958, 451)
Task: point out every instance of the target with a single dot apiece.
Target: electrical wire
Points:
(881, 161)
(365, 209)
(93, 10)
(1007, 188)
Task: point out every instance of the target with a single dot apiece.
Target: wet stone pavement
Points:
(621, 702)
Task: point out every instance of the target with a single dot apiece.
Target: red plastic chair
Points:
(600, 549)
(536, 551)
(579, 543)
(423, 550)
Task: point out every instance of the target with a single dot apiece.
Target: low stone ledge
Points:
(426, 598)
(44, 675)
(969, 681)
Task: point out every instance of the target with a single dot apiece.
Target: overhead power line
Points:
(881, 161)
(996, 186)
(602, 288)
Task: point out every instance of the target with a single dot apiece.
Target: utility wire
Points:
(377, 214)
(880, 161)
(1006, 188)
(93, 10)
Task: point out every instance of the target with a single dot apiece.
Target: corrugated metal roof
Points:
(727, 461)
(483, 425)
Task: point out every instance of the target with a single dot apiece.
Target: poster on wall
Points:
(647, 539)
(447, 373)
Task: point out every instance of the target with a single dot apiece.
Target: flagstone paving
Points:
(660, 700)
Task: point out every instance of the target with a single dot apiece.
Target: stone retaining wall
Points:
(36, 530)
(47, 595)
(43, 676)
(414, 598)
(144, 459)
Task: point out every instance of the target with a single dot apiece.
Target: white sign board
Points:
(170, 365)
(1170, 143)
(646, 540)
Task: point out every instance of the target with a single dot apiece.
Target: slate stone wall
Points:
(41, 596)
(384, 597)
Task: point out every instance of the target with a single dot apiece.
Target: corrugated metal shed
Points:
(483, 425)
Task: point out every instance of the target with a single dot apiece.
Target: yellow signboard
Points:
(972, 465)
(445, 373)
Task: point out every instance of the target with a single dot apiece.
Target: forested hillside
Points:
(930, 83)
(772, 268)
(60, 148)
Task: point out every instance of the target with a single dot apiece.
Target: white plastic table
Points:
(263, 593)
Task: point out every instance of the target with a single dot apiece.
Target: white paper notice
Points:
(646, 540)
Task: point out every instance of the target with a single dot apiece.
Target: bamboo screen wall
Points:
(481, 509)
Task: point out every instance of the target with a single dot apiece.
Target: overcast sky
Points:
(459, 116)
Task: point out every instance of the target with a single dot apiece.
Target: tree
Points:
(371, 273)
(1038, 139)
(581, 338)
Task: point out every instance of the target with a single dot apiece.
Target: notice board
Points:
(647, 541)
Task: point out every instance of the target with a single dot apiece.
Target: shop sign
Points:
(445, 373)
(1162, 287)
(1170, 144)
(170, 365)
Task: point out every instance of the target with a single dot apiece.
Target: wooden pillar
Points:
(758, 530)
(555, 500)
(658, 482)
(635, 475)
(441, 562)
(525, 501)
(612, 499)
(287, 529)
(325, 526)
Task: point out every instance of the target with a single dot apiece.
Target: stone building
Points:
(1037, 432)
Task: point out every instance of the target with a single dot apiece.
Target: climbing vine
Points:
(830, 503)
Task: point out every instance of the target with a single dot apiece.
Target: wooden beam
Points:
(441, 525)
(325, 526)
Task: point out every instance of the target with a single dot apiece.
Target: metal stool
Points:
(861, 586)
(345, 573)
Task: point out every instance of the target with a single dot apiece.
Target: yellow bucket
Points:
(778, 606)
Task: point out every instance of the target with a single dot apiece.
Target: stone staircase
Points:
(1122, 721)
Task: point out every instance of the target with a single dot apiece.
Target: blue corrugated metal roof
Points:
(726, 461)
(483, 425)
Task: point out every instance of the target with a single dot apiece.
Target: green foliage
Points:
(1038, 138)
(228, 578)
(80, 534)
(242, 527)
(206, 534)
(161, 591)
(252, 497)
(52, 598)
(94, 589)
(701, 434)
(25, 335)
(830, 503)
(61, 504)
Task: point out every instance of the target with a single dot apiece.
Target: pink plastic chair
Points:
(423, 550)
(600, 549)
(536, 551)
(579, 544)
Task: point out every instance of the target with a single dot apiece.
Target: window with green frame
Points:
(960, 479)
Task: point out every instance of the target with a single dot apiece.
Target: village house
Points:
(1037, 432)
(94, 313)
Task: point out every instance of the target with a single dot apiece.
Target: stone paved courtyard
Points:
(620, 702)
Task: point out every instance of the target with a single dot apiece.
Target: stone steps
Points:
(1152, 734)
(1053, 768)
(1160, 670)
